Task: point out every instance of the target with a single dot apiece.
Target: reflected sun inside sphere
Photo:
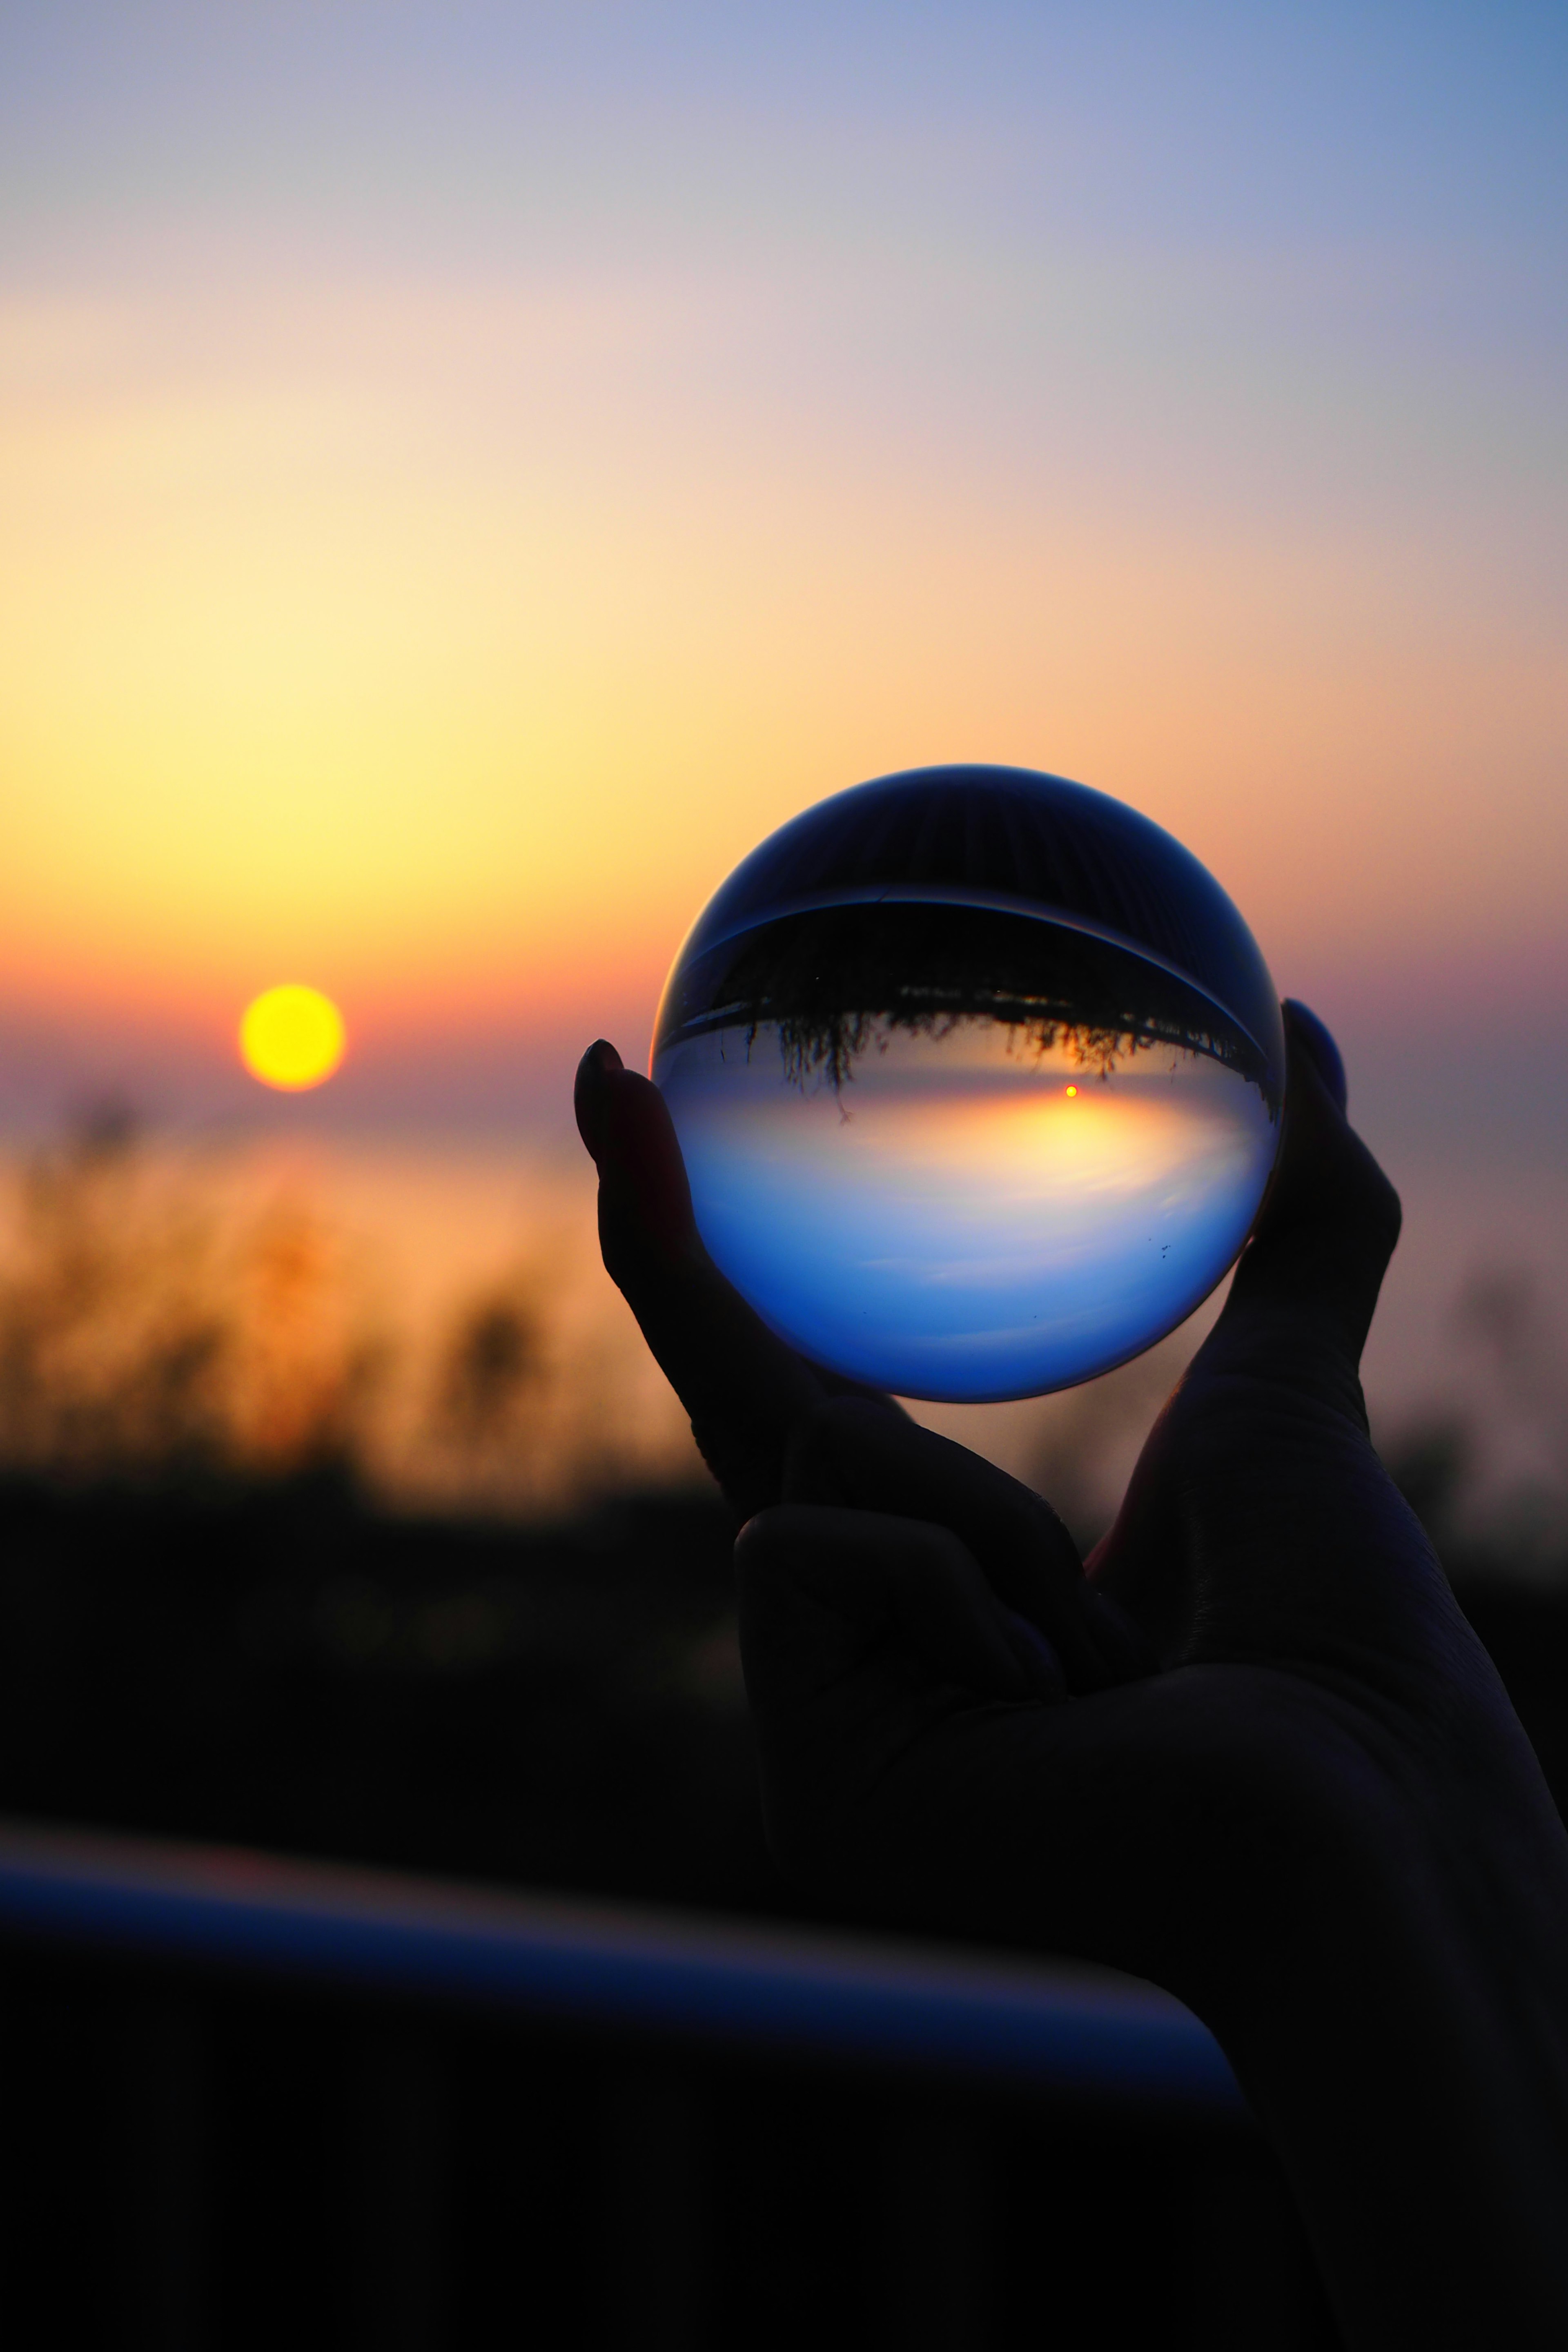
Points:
(291, 1038)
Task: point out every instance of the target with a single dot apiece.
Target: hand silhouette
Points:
(1254, 1752)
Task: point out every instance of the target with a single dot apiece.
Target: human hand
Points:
(754, 1403)
(1313, 1813)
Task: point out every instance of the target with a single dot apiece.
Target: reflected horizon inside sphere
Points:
(978, 1078)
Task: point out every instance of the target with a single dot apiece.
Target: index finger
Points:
(744, 1390)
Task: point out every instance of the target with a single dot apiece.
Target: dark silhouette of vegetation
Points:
(837, 981)
(158, 1328)
(208, 1625)
(494, 1365)
(1486, 1467)
(280, 1664)
(141, 1339)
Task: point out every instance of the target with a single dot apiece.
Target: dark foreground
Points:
(284, 1668)
(223, 2152)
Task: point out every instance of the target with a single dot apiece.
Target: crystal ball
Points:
(978, 1076)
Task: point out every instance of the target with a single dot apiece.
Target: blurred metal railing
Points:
(784, 1990)
(696, 2116)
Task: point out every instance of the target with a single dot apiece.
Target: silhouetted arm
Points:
(1258, 1754)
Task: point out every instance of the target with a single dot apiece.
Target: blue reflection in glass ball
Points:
(978, 1076)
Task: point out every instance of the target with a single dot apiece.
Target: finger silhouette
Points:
(855, 1451)
(1308, 1279)
(742, 1387)
(1259, 1518)
(917, 1755)
(835, 1601)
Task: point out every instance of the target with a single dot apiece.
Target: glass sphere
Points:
(978, 1076)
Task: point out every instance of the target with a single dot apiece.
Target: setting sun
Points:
(291, 1037)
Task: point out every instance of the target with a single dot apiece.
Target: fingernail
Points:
(1042, 1667)
(1324, 1055)
(598, 1063)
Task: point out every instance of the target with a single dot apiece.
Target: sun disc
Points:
(291, 1038)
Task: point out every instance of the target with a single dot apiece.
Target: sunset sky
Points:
(468, 471)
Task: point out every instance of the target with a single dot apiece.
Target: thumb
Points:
(1315, 1263)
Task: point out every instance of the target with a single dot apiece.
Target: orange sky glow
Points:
(441, 612)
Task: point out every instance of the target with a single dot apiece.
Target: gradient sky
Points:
(468, 471)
